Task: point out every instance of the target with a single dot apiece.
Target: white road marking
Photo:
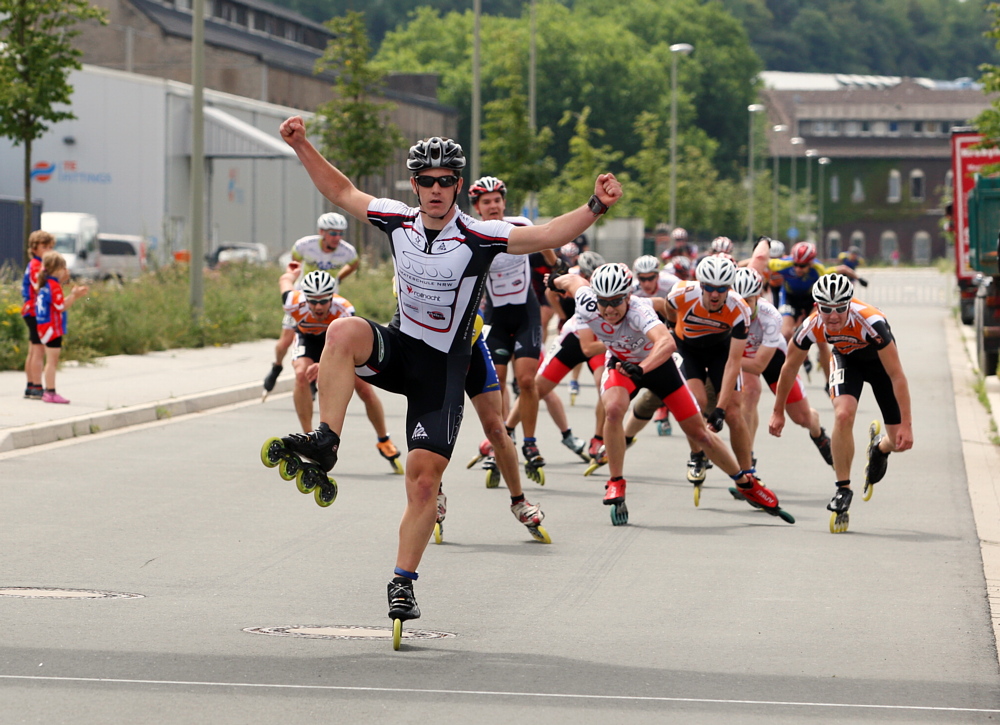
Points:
(495, 693)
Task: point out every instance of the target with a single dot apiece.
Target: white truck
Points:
(76, 239)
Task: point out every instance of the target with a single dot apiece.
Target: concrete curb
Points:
(38, 434)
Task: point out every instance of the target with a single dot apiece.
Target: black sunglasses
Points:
(650, 278)
(613, 302)
(324, 301)
(839, 309)
(445, 182)
(721, 289)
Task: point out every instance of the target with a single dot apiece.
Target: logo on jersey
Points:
(696, 325)
(435, 315)
(419, 433)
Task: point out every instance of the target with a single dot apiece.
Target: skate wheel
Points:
(572, 399)
(289, 468)
(307, 479)
(325, 493)
(535, 474)
(785, 516)
(474, 461)
(492, 478)
(397, 467)
(270, 452)
(839, 522)
(866, 495)
(697, 495)
(619, 514)
(663, 430)
(397, 633)
(874, 429)
(594, 465)
(538, 533)
(438, 533)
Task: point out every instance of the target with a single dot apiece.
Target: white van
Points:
(119, 256)
(76, 239)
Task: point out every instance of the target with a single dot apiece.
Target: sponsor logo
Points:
(42, 171)
(435, 315)
(419, 433)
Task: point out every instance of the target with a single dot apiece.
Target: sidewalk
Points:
(124, 390)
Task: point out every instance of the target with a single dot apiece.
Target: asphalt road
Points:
(701, 615)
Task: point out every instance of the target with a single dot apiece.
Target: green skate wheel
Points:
(438, 533)
(619, 514)
(697, 495)
(397, 633)
(538, 533)
(270, 452)
(308, 479)
(325, 492)
(289, 468)
(866, 495)
(785, 516)
(492, 478)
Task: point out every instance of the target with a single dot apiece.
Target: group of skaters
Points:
(627, 325)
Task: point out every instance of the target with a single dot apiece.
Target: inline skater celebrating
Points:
(313, 308)
(639, 350)
(764, 356)
(328, 251)
(441, 257)
(864, 351)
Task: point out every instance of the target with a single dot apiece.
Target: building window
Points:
(834, 128)
(888, 247)
(852, 128)
(895, 187)
(866, 127)
(833, 244)
(858, 192)
(880, 128)
(917, 185)
(858, 240)
(834, 188)
(893, 127)
(918, 127)
(922, 248)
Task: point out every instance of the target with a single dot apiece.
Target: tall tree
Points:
(36, 58)
(354, 129)
(988, 121)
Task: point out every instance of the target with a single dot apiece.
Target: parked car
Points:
(229, 252)
(122, 256)
(76, 239)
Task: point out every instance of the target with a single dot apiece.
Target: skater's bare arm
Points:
(663, 347)
(589, 343)
(760, 258)
(731, 372)
(327, 178)
(889, 355)
(759, 362)
(568, 283)
(566, 227)
(286, 282)
(796, 356)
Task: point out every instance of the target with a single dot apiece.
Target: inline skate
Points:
(402, 607)
(387, 449)
(306, 458)
(614, 496)
(878, 462)
(839, 504)
(533, 463)
(531, 516)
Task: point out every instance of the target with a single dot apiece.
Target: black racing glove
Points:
(716, 419)
(862, 281)
(550, 280)
(633, 370)
(560, 267)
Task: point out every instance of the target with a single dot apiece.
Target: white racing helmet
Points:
(611, 280)
(718, 271)
(748, 282)
(645, 264)
(332, 221)
(833, 289)
(588, 262)
(319, 285)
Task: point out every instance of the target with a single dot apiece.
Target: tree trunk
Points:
(27, 199)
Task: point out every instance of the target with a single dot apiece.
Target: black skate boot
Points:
(698, 466)
(839, 505)
(402, 603)
(271, 379)
(822, 442)
(878, 462)
(321, 446)
(533, 463)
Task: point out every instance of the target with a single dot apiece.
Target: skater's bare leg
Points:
(305, 373)
(348, 345)
(802, 415)
(845, 409)
(525, 369)
(751, 397)
(616, 403)
(373, 406)
(424, 471)
(487, 406)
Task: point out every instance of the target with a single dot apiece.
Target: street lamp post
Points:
(675, 50)
(823, 162)
(779, 128)
(753, 109)
(797, 141)
(810, 153)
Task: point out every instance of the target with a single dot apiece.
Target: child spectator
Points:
(50, 308)
(39, 242)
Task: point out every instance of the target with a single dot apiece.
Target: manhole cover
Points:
(344, 631)
(58, 593)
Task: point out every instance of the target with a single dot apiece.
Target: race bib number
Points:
(836, 377)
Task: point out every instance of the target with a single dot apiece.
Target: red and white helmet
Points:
(804, 253)
(484, 186)
(679, 234)
(681, 267)
(723, 245)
